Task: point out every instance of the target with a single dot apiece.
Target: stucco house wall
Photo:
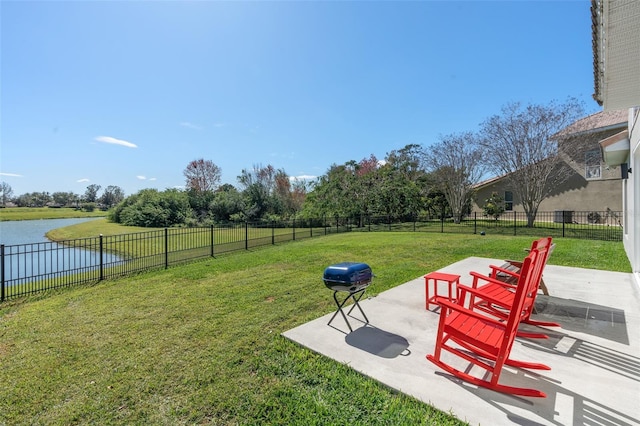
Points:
(591, 186)
(616, 70)
(631, 201)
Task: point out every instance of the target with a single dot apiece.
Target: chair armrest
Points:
(477, 276)
(499, 269)
(451, 306)
(463, 289)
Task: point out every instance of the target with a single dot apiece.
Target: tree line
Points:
(521, 144)
(90, 200)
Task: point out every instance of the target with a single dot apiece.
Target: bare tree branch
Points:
(457, 165)
(202, 175)
(521, 144)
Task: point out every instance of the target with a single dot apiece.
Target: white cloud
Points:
(151, 179)
(190, 125)
(114, 141)
(141, 177)
(83, 180)
(302, 177)
(10, 174)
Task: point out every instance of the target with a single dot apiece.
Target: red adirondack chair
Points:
(511, 268)
(486, 341)
(494, 296)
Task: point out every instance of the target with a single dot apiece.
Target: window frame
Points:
(508, 201)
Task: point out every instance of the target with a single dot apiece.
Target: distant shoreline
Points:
(39, 213)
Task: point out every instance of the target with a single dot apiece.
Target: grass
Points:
(129, 241)
(94, 228)
(201, 343)
(36, 213)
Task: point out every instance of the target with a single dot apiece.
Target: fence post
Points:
(166, 248)
(442, 222)
(101, 258)
(515, 222)
(475, 223)
(212, 241)
(273, 232)
(294, 229)
(563, 221)
(246, 235)
(2, 272)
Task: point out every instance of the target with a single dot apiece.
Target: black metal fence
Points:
(31, 268)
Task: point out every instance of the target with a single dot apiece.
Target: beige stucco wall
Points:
(632, 203)
(577, 194)
(595, 195)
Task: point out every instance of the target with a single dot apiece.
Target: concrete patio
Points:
(594, 357)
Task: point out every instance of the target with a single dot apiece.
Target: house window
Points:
(508, 201)
(592, 167)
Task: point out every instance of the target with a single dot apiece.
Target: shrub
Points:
(494, 206)
(151, 208)
(88, 207)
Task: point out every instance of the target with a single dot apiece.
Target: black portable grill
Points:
(350, 277)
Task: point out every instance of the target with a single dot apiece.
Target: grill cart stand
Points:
(356, 296)
(351, 277)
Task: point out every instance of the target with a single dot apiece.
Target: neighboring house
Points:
(616, 69)
(592, 185)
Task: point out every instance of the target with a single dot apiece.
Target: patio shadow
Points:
(591, 353)
(378, 342)
(597, 320)
(561, 407)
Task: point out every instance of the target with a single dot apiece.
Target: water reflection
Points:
(29, 256)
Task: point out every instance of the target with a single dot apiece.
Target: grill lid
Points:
(348, 276)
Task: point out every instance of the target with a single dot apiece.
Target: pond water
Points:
(29, 255)
(32, 231)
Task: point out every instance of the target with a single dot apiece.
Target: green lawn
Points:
(36, 213)
(200, 343)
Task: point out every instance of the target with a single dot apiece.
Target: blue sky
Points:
(128, 93)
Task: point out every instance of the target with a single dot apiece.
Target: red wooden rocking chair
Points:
(495, 296)
(486, 341)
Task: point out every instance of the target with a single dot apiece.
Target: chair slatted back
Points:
(525, 284)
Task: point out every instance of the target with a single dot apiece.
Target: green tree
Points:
(408, 161)
(91, 194)
(40, 199)
(111, 196)
(333, 193)
(64, 198)
(259, 192)
(396, 196)
(227, 202)
(493, 206)
(24, 200)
